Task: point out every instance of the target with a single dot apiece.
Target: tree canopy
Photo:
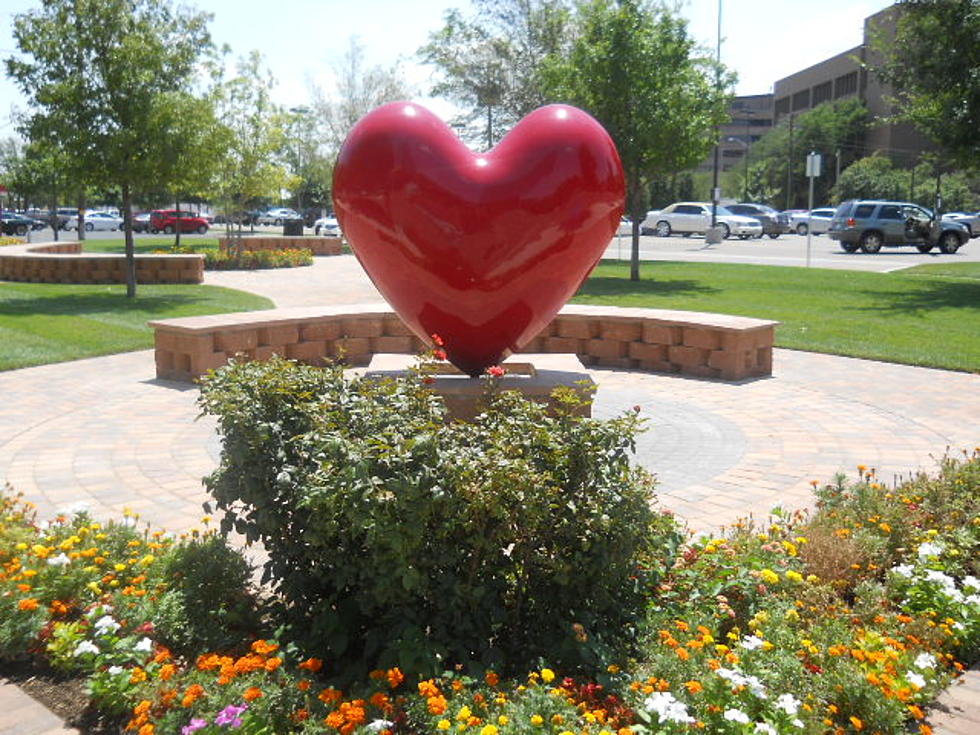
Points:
(931, 62)
(111, 83)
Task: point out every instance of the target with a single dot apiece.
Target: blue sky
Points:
(302, 40)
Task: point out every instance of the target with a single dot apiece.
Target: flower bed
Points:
(844, 621)
(219, 260)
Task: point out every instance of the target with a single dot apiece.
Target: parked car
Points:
(327, 226)
(649, 222)
(141, 222)
(96, 221)
(872, 224)
(972, 221)
(773, 223)
(12, 223)
(64, 214)
(816, 221)
(277, 216)
(165, 220)
(695, 217)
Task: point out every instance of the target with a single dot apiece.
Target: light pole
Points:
(713, 235)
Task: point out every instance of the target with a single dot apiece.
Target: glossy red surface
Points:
(482, 249)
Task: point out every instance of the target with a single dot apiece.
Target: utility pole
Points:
(789, 167)
(713, 235)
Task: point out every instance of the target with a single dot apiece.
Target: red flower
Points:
(439, 354)
(496, 371)
(438, 341)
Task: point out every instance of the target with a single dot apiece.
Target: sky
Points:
(302, 41)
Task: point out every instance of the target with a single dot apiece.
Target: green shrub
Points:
(395, 538)
(256, 259)
(206, 605)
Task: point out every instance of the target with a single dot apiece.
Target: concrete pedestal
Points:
(534, 375)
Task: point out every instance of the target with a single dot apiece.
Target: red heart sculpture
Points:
(482, 249)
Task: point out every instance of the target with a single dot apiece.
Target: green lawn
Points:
(928, 315)
(146, 244)
(42, 323)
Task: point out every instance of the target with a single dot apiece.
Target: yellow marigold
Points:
(444, 725)
(547, 676)
(858, 725)
(464, 713)
(794, 576)
(489, 730)
(557, 719)
(537, 720)
(769, 576)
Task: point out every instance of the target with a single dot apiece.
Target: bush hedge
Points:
(398, 539)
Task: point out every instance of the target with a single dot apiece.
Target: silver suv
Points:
(871, 224)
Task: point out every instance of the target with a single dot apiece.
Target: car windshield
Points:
(723, 210)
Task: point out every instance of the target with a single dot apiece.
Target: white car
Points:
(972, 221)
(695, 217)
(816, 221)
(327, 227)
(277, 216)
(649, 222)
(96, 221)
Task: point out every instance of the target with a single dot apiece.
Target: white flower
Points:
(736, 715)
(930, 549)
(74, 509)
(378, 725)
(916, 680)
(737, 679)
(788, 704)
(797, 723)
(60, 560)
(667, 708)
(113, 670)
(752, 642)
(947, 583)
(972, 582)
(106, 624)
(765, 727)
(145, 644)
(86, 646)
(904, 570)
(924, 661)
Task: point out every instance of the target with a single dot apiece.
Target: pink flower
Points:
(496, 371)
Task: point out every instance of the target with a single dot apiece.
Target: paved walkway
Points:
(105, 432)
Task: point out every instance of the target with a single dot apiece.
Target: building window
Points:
(823, 92)
(847, 84)
(801, 100)
(782, 106)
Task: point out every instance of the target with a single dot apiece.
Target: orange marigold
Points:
(380, 700)
(167, 671)
(272, 664)
(491, 678)
(303, 685)
(264, 647)
(395, 677)
(437, 705)
(312, 665)
(693, 686)
(193, 693)
(28, 604)
(251, 694)
(329, 695)
(428, 689)
(58, 608)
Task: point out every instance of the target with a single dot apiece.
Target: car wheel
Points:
(849, 247)
(316, 232)
(923, 247)
(89, 227)
(202, 229)
(871, 242)
(949, 243)
(773, 235)
(21, 229)
(801, 229)
(662, 229)
(277, 223)
(726, 231)
(168, 230)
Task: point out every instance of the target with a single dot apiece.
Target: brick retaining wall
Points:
(64, 263)
(658, 340)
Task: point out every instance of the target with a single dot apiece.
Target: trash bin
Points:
(292, 227)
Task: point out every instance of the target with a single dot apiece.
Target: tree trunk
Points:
(127, 204)
(81, 218)
(634, 198)
(53, 214)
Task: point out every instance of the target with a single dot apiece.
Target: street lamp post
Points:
(713, 235)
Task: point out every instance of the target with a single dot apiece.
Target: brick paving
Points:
(105, 432)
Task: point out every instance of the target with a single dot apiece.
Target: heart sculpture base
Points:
(535, 375)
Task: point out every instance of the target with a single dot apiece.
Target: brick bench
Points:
(687, 342)
(318, 245)
(64, 262)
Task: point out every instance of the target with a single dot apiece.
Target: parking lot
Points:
(786, 250)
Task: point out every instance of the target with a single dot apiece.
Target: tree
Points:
(253, 136)
(778, 160)
(636, 69)
(358, 90)
(110, 82)
(931, 62)
(491, 64)
(875, 177)
(35, 173)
